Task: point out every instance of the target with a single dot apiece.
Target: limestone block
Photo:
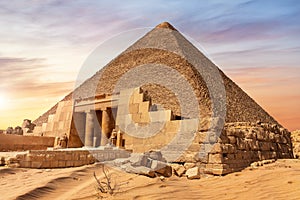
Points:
(144, 107)
(61, 163)
(178, 169)
(217, 148)
(136, 117)
(138, 98)
(49, 126)
(193, 173)
(61, 125)
(144, 118)
(25, 164)
(44, 127)
(161, 168)
(36, 164)
(123, 109)
(139, 170)
(232, 139)
(50, 118)
(134, 108)
(160, 116)
(223, 138)
(241, 144)
(215, 158)
(188, 165)
(215, 123)
(137, 159)
(262, 135)
(155, 155)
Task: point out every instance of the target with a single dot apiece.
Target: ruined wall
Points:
(296, 143)
(62, 158)
(23, 143)
(240, 144)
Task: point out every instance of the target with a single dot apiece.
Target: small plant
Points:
(106, 185)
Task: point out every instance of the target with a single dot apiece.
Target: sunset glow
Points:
(44, 44)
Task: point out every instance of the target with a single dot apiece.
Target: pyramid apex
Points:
(165, 25)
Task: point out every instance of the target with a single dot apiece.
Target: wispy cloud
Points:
(44, 43)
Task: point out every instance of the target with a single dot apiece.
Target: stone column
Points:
(105, 128)
(79, 121)
(119, 139)
(97, 133)
(89, 129)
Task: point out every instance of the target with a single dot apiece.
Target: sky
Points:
(45, 43)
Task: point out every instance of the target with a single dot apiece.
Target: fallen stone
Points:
(137, 159)
(189, 165)
(141, 170)
(155, 155)
(193, 173)
(178, 169)
(161, 168)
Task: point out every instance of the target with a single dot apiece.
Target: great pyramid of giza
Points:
(239, 106)
(207, 119)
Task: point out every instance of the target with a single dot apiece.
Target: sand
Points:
(279, 180)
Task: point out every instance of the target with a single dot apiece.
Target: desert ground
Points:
(279, 180)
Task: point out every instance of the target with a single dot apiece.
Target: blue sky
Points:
(44, 44)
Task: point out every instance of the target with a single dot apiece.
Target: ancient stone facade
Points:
(220, 139)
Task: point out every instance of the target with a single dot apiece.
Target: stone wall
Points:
(240, 144)
(23, 143)
(296, 143)
(62, 158)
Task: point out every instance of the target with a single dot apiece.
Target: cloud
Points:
(22, 78)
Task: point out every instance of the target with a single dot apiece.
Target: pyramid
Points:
(182, 81)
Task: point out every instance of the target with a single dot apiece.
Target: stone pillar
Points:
(97, 133)
(79, 122)
(89, 129)
(119, 139)
(105, 128)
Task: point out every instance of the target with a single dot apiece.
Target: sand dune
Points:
(279, 180)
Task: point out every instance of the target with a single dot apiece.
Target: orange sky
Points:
(44, 45)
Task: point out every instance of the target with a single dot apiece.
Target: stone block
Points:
(241, 144)
(61, 163)
(69, 163)
(137, 159)
(144, 118)
(138, 98)
(25, 164)
(215, 158)
(232, 139)
(50, 118)
(139, 170)
(217, 148)
(160, 116)
(144, 107)
(46, 164)
(188, 165)
(193, 173)
(178, 169)
(134, 108)
(136, 118)
(36, 164)
(161, 168)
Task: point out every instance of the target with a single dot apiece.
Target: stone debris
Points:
(150, 164)
(178, 169)
(193, 173)
(261, 163)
